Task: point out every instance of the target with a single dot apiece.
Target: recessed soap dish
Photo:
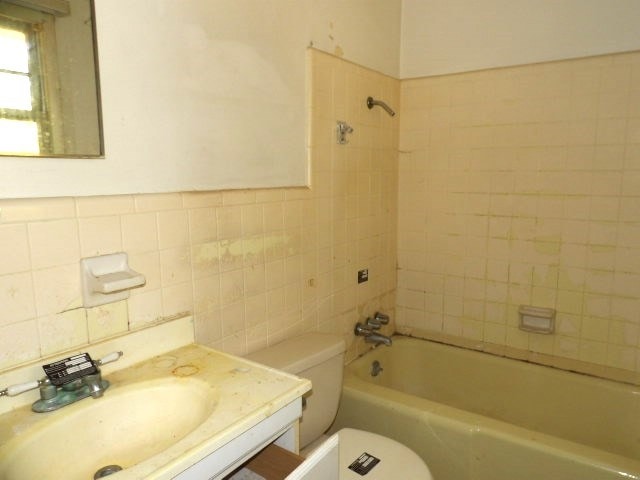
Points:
(107, 279)
(537, 319)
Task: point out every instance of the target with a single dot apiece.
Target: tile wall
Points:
(522, 186)
(253, 266)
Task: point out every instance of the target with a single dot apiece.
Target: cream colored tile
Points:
(208, 327)
(231, 255)
(231, 287)
(270, 195)
(254, 280)
(36, 209)
(16, 298)
(15, 245)
(633, 129)
(253, 250)
(252, 218)
(621, 357)
(144, 307)
(157, 201)
(233, 319)
(139, 232)
(205, 259)
(147, 264)
(257, 337)
(99, 235)
(238, 197)
(203, 225)
(63, 331)
(57, 289)
(593, 351)
(107, 320)
(175, 266)
(19, 343)
(229, 222)
(235, 344)
(53, 243)
(206, 294)
(177, 299)
(201, 199)
(173, 229)
(104, 205)
(255, 309)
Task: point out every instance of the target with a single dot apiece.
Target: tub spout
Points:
(370, 336)
(377, 338)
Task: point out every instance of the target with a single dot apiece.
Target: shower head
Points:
(371, 103)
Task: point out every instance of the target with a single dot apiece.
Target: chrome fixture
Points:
(367, 331)
(55, 396)
(376, 368)
(106, 471)
(372, 103)
(341, 131)
(378, 320)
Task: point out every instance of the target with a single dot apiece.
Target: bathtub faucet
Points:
(367, 331)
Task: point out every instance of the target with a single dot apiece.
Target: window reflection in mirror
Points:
(49, 102)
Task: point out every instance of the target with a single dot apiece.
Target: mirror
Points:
(49, 91)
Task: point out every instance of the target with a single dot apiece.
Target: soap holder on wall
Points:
(107, 279)
(537, 319)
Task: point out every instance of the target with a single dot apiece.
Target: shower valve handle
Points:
(381, 318)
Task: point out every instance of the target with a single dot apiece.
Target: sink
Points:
(126, 426)
(188, 413)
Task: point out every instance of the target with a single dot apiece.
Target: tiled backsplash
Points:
(522, 186)
(252, 266)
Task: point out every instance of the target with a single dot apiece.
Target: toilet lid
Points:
(377, 458)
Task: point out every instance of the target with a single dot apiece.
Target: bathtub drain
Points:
(106, 471)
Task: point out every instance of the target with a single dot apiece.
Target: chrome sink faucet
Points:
(368, 330)
(55, 396)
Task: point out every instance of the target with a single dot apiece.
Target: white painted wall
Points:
(208, 94)
(446, 36)
(366, 32)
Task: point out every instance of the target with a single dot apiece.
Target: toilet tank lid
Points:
(295, 355)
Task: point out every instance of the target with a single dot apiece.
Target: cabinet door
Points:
(322, 464)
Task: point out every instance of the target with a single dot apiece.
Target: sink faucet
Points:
(56, 391)
(368, 329)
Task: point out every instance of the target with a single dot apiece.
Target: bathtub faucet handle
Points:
(381, 318)
(373, 323)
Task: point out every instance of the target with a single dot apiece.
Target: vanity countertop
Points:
(238, 393)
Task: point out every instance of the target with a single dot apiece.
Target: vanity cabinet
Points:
(279, 428)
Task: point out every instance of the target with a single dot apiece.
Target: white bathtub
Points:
(475, 416)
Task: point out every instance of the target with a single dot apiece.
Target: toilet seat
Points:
(396, 460)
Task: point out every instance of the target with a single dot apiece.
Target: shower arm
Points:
(371, 103)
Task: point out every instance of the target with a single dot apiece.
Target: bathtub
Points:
(476, 416)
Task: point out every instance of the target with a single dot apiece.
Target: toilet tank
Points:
(318, 357)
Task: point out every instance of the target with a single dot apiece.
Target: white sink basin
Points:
(190, 413)
(124, 427)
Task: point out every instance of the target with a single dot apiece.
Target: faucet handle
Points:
(381, 317)
(362, 330)
(111, 357)
(18, 388)
(374, 323)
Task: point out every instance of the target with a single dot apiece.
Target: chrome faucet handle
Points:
(362, 330)
(374, 323)
(381, 317)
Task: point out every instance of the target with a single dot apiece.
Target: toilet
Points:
(319, 357)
